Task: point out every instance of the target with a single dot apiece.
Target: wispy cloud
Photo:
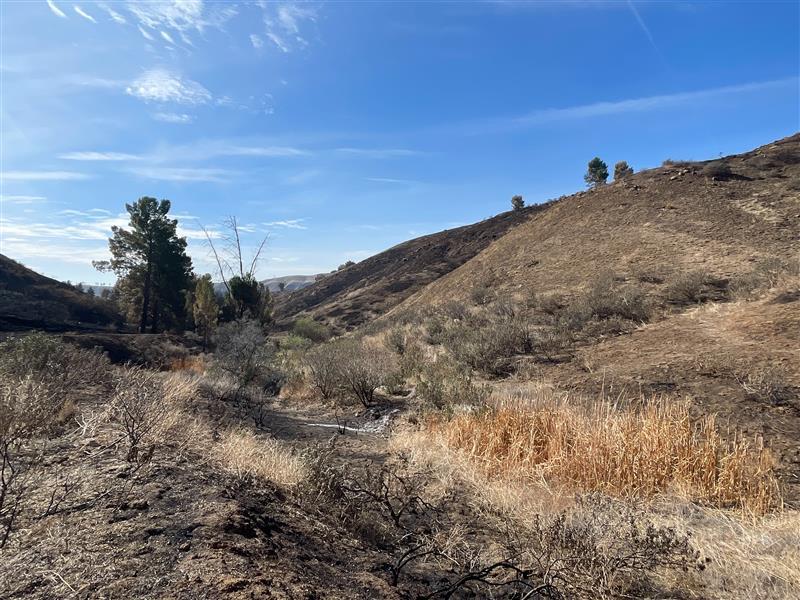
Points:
(43, 176)
(118, 18)
(603, 109)
(98, 156)
(167, 37)
(388, 180)
(183, 174)
(378, 152)
(644, 27)
(84, 14)
(287, 224)
(167, 117)
(256, 41)
(23, 199)
(146, 35)
(79, 228)
(55, 10)
(160, 85)
(283, 22)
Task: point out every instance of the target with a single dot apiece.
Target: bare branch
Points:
(257, 255)
(216, 257)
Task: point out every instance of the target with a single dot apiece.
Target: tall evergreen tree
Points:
(596, 173)
(151, 262)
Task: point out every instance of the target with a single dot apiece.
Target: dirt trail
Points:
(358, 435)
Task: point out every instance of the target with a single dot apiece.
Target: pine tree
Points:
(517, 203)
(597, 173)
(151, 262)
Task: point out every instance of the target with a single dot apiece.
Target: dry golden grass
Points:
(749, 556)
(192, 364)
(635, 452)
(246, 455)
(236, 450)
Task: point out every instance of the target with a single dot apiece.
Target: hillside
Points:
(30, 300)
(359, 293)
(726, 224)
(658, 222)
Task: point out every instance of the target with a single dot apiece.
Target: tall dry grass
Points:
(638, 451)
(233, 449)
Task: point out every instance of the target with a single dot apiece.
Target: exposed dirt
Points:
(180, 529)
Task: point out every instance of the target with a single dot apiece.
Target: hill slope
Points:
(657, 222)
(354, 295)
(30, 300)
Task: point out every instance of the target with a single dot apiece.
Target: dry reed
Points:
(636, 451)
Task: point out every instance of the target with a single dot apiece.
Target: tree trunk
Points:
(156, 316)
(146, 292)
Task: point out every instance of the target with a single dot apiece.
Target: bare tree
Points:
(245, 294)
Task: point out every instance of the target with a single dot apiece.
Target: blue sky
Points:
(343, 128)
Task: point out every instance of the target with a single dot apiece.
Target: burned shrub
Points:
(694, 287)
(243, 353)
(599, 551)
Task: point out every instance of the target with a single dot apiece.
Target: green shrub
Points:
(444, 384)
(310, 329)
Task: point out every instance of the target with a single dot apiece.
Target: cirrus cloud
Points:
(161, 85)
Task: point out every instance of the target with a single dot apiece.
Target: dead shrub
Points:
(361, 368)
(765, 384)
(396, 340)
(718, 171)
(46, 357)
(251, 457)
(322, 370)
(552, 304)
(139, 411)
(28, 408)
(605, 300)
(243, 353)
(693, 287)
(481, 294)
(435, 330)
(625, 452)
(488, 348)
(552, 342)
(601, 550)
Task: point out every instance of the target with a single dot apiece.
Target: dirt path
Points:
(359, 435)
